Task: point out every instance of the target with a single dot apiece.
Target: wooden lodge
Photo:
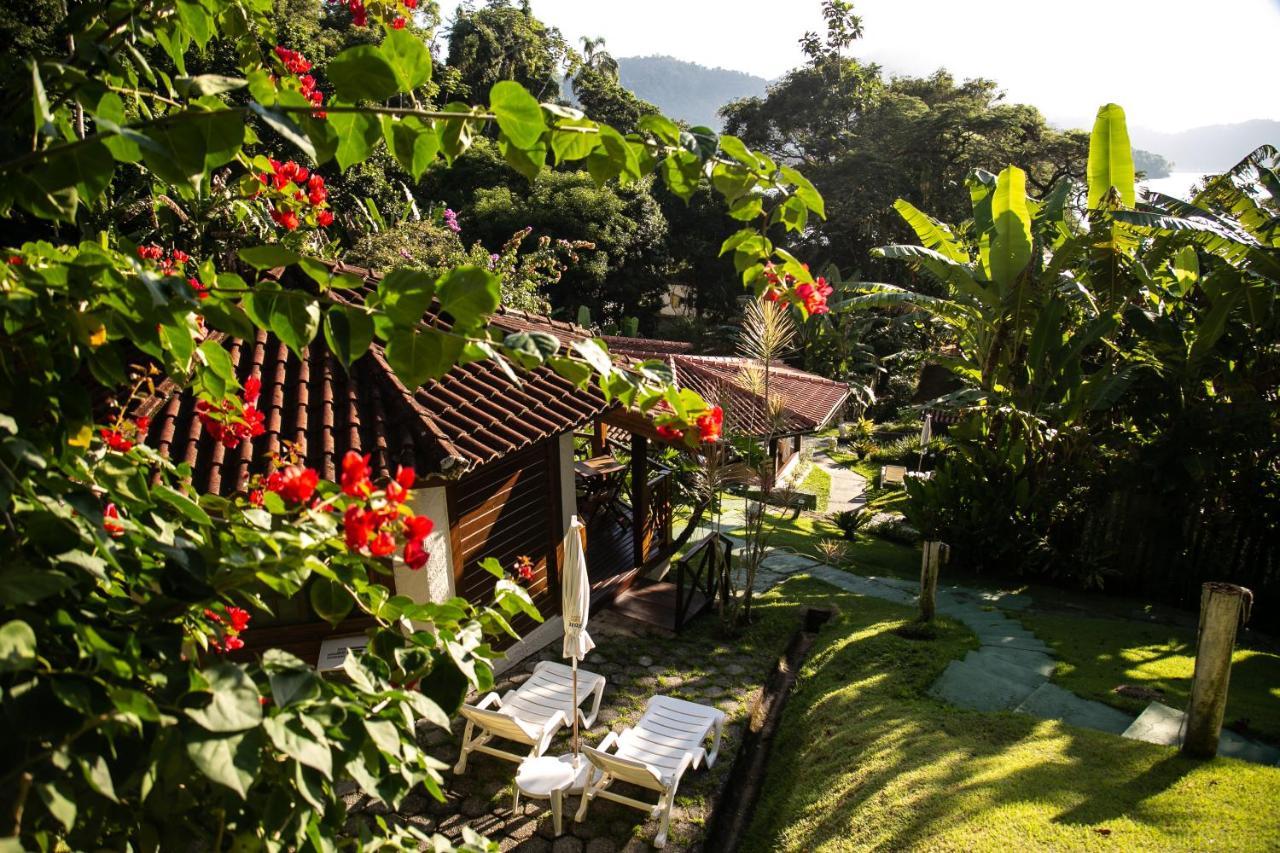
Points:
(502, 466)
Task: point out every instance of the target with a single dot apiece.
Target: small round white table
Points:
(550, 777)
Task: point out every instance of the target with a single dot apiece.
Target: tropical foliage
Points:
(1128, 347)
(155, 193)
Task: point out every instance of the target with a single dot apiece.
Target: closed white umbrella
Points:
(926, 433)
(575, 604)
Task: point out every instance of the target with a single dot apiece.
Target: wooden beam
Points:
(599, 438)
(639, 494)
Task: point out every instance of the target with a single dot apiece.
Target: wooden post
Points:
(599, 438)
(1223, 606)
(930, 565)
(639, 494)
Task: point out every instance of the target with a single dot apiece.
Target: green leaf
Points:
(230, 760)
(1011, 220)
(681, 171)
(662, 128)
(60, 799)
(98, 775)
(469, 295)
(417, 356)
(286, 127)
(295, 319)
(518, 113)
(733, 147)
(17, 646)
(196, 22)
(349, 332)
(357, 134)
(571, 145)
(408, 57)
(414, 144)
(303, 745)
(613, 158)
(527, 161)
(1110, 158)
(207, 84)
(932, 233)
(792, 213)
(182, 503)
(406, 294)
(269, 256)
(292, 680)
(493, 567)
(362, 73)
(234, 706)
(806, 191)
(330, 600)
(747, 208)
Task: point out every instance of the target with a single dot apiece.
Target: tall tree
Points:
(504, 41)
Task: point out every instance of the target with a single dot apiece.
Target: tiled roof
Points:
(471, 416)
(646, 347)
(807, 402)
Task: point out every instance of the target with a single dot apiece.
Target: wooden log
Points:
(1222, 608)
(930, 565)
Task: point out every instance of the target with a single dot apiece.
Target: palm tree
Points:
(596, 58)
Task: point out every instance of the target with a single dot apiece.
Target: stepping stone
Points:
(787, 563)
(969, 685)
(1051, 702)
(1027, 643)
(1163, 725)
(1006, 668)
(1036, 661)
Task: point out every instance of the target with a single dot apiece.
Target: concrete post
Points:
(1223, 606)
(930, 565)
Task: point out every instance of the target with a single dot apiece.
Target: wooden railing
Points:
(700, 570)
(655, 531)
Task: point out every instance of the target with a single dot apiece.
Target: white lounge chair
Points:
(531, 714)
(654, 754)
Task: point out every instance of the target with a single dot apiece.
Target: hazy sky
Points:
(1172, 64)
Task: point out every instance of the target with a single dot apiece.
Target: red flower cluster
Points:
(15, 260)
(369, 527)
(524, 569)
(311, 203)
(295, 63)
(814, 296)
(111, 521)
(294, 483)
(169, 262)
(670, 433)
(710, 424)
(225, 426)
(125, 434)
(228, 629)
(360, 14)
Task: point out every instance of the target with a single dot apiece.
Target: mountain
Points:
(686, 90)
(1212, 148)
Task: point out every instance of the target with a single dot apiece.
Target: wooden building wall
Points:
(505, 510)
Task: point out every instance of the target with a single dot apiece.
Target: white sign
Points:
(333, 651)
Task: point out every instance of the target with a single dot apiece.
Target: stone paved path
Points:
(848, 488)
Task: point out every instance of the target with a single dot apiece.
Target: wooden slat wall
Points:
(505, 510)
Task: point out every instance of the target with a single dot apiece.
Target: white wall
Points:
(434, 581)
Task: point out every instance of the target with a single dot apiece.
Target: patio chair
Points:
(892, 475)
(531, 714)
(654, 754)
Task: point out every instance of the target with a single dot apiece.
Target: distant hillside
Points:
(1212, 148)
(687, 90)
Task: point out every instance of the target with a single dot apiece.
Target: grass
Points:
(1097, 655)
(866, 760)
(817, 483)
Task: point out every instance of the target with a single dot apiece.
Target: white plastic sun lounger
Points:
(654, 754)
(531, 714)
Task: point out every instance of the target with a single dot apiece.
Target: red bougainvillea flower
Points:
(710, 424)
(670, 433)
(357, 527)
(255, 497)
(398, 23)
(814, 296)
(295, 62)
(294, 483)
(524, 569)
(221, 423)
(116, 440)
(232, 644)
(355, 475)
(239, 618)
(197, 285)
(410, 4)
(15, 260)
(383, 545)
(111, 521)
(415, 556)
(418, 527)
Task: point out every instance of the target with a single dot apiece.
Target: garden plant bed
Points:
(700, 666)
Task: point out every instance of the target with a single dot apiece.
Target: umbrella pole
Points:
(575, 711)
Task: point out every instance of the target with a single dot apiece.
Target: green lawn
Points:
(866, 760)
(817, 482)
(1098, 655)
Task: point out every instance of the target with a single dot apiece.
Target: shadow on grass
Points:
(866, 759)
